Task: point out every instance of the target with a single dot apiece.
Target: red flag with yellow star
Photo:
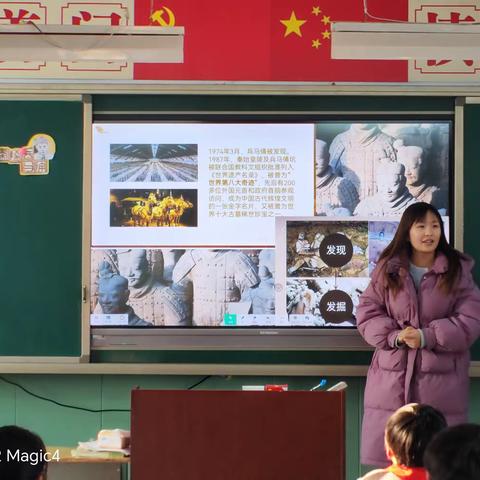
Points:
(301, 41)
(264, 40)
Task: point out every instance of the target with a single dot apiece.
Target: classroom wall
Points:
(64, 426)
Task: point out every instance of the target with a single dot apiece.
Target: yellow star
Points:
(326, 34)
(325, 20)
(316, 11)
(293, 25)
(316, 43)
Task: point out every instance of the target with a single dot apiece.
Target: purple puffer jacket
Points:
(437, 374)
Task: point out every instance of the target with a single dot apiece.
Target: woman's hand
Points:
(411, 337)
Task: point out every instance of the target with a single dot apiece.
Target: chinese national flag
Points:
(265, 40)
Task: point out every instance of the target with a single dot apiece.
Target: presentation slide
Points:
(199, 185)
(324, 265)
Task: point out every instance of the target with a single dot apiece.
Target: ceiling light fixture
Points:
(403, 41)
(27, 42)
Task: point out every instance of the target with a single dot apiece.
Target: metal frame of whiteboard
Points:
(272, 339)
(86, 224)
(226, 339)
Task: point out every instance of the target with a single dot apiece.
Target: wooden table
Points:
(80, 468)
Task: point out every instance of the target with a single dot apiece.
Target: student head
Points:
(13, 439)
(420, 224)
(454, 454)
(408, 432)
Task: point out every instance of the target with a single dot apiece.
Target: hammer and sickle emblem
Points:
(158, 16)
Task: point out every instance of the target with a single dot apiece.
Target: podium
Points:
(233, 435)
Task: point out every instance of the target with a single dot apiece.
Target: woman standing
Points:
(421, 312)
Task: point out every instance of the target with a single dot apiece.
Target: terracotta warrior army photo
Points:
(181, 288)
(351, 164)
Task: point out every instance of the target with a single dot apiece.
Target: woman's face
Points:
(424, 234)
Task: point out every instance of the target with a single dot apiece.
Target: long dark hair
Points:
(400, 246)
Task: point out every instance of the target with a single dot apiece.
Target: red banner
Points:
(265, 40)
(248, 40)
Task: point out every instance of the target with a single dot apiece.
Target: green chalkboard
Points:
(188, 107)
(41, 233)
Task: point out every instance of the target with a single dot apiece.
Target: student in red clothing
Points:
(408, 432)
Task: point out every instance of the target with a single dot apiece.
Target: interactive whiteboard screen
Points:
(215, 227)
